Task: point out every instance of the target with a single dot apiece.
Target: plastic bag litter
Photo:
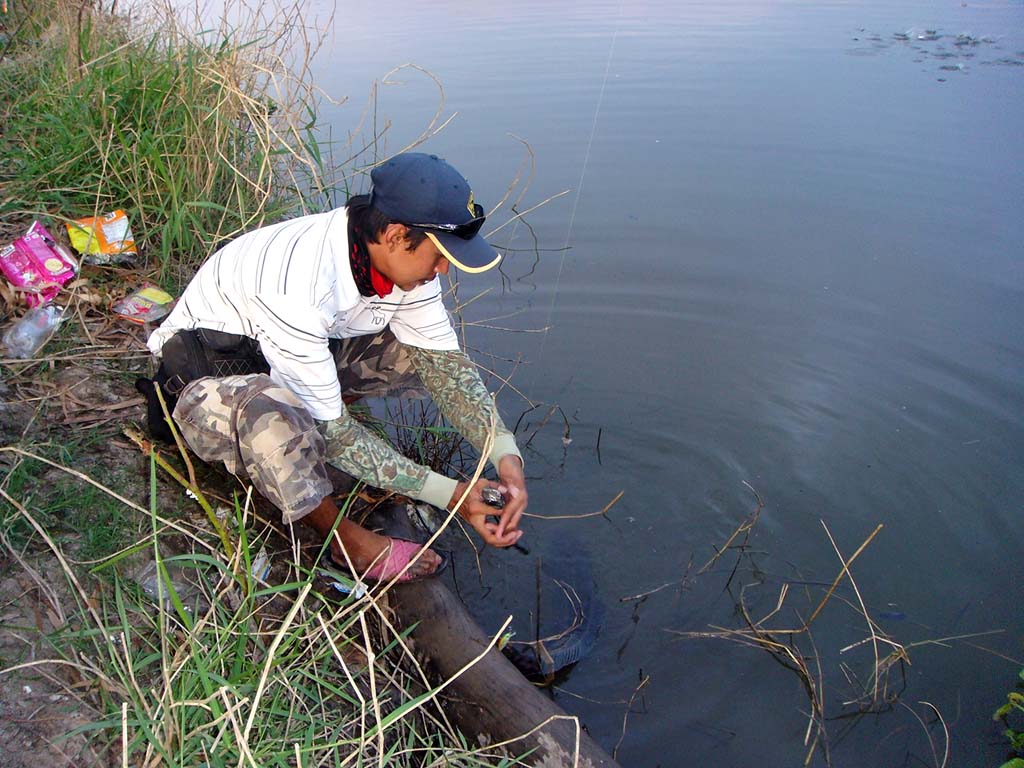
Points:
(192, 597)
(37, 265)
(145, 305)
(260, 569)
(103, 240)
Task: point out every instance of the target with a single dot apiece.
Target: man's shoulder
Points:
(334, 221)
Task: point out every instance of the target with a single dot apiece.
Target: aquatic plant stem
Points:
(599, 513)
(625, 715)
(864, 610)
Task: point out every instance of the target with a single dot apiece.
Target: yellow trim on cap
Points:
(458, 263)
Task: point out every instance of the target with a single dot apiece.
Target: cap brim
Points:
(473, 255)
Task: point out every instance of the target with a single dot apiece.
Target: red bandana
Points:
(381, 285)
(368, 280)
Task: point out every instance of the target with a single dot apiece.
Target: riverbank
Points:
(150, 611)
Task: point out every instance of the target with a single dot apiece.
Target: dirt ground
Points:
(74, 405)
(39, 706)
(77, 398)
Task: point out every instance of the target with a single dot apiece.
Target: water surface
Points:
(791, 257)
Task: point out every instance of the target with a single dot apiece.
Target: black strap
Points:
(191, 355)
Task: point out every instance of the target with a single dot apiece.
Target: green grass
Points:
(219, 669)
(80, 515)
(187, 134)
(1011, 716)
(210, 666)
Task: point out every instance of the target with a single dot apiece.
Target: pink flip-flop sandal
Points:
(399, 555)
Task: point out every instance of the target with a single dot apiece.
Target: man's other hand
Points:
(513, 485)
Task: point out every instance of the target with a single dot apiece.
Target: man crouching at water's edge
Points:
(282, 328)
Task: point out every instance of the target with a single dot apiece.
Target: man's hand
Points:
(513, 485)
(505, 532)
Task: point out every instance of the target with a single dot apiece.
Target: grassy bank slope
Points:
(133, 627)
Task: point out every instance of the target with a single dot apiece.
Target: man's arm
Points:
(352, 448)
(454, 383)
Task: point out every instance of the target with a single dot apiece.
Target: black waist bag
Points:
(191, 355)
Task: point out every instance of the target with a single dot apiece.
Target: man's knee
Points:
(282, 450)
(259, 429)
(221, 418)
(274, 425)
(206, 415)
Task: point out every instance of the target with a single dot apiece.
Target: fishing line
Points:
(579, 186)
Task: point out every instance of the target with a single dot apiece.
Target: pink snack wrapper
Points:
(37, 265)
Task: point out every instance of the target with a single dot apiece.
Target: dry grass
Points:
(222, 668)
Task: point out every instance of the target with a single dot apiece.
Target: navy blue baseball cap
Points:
(424, 191)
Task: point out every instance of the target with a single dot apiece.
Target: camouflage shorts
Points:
(262, 431)
(375, 366)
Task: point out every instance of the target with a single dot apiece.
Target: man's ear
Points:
(395, 235)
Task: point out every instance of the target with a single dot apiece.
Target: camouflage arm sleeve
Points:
(352, 448)
(454, 383)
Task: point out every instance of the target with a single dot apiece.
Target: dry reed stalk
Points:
(945, 731)
(782, 643)
(625, 714)
(531, 209)
(745, 528)
(530, 161)
(599, 513)
(506, 380)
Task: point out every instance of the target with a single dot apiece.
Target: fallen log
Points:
(491, 702)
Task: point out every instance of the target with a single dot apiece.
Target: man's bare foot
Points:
(365, 548)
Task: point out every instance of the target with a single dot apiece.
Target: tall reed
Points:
(198, 135)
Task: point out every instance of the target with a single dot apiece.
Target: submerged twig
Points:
(625, 715)
(744, 528)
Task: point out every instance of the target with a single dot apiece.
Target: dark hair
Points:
(371, 223)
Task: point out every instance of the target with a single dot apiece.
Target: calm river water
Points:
(791, 255)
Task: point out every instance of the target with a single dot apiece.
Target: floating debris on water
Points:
(964, 39)
(892, 615)
(926, 43)
(1006, 62)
